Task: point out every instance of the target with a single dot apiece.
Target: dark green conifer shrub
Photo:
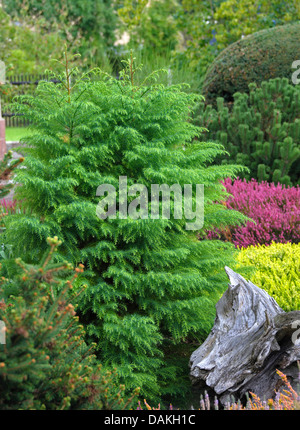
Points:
(44, 360)
(261, 130)
(264, 55)
(150, 282)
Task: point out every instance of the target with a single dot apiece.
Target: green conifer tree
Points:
(44, 361)
(151, 282)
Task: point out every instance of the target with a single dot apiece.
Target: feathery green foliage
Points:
(150, 282)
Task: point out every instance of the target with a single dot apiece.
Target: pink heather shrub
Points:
(274, 208)
(8, 204)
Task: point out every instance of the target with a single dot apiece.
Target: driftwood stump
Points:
(251, 338)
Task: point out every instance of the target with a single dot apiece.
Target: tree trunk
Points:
(251, 338)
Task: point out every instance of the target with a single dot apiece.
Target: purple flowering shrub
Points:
(275, 210)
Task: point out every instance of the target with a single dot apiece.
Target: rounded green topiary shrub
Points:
(259, 57)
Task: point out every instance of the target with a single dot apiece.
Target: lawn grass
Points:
(15, 133)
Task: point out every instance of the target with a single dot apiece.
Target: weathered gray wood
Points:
(251, 338)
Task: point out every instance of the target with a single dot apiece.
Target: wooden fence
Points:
(20, 84)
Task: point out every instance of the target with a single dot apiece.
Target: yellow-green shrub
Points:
(276, 269)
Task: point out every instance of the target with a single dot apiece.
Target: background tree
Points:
(89, 25)
(26, 46)
(239, 19)
(151, 25)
